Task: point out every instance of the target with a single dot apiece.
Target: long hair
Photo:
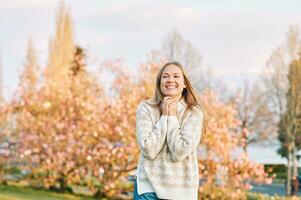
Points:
(189, 94)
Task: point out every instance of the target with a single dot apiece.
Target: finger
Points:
(173, 101)
(167, 98)
(167, 101)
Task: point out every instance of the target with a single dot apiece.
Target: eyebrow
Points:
(168, 74)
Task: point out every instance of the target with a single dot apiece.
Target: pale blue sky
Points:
(235, 38)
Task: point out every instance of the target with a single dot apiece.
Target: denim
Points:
(144, 196)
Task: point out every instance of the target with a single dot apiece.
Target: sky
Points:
(234, 37)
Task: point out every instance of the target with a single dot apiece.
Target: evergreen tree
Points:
(29, 78)
(61, 49)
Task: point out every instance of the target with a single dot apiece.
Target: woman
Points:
(168, 130)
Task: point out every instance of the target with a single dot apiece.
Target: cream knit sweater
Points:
(168, 163)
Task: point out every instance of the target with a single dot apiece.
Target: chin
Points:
(171, 95)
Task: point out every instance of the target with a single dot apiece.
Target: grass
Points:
(279, 181)
(15, 193)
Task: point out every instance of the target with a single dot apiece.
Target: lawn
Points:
(15, 193)
(20, 193)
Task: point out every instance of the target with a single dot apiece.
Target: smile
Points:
(170, 87)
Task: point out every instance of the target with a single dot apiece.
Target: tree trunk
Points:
(295, 163)
(295, 170)
(289, 174)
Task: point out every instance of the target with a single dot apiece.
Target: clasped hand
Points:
(169, 106)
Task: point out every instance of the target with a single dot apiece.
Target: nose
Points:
(170, 79)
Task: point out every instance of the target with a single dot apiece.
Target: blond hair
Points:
(188, 93)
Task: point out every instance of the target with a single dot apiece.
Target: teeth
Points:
(170, 87)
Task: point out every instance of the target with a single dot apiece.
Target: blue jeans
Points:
(144, 196)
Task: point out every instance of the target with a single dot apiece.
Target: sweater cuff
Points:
(162, 123)
(173, 121)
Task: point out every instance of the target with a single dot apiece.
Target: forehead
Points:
(171, 69)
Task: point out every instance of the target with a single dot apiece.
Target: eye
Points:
(177, 76)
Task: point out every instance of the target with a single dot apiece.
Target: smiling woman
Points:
(168, 130)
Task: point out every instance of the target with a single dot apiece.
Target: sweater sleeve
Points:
(182, 142)
(150, 138)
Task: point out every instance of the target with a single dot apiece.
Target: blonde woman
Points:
(168, 130)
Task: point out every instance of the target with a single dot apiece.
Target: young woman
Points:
(168, 130)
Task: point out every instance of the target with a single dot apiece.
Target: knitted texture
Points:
(168, 160)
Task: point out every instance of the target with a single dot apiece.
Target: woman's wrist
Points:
(172, 114)
(165, 114)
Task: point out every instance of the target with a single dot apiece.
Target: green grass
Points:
(15, 193)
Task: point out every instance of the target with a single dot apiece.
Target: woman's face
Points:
(172, 82)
